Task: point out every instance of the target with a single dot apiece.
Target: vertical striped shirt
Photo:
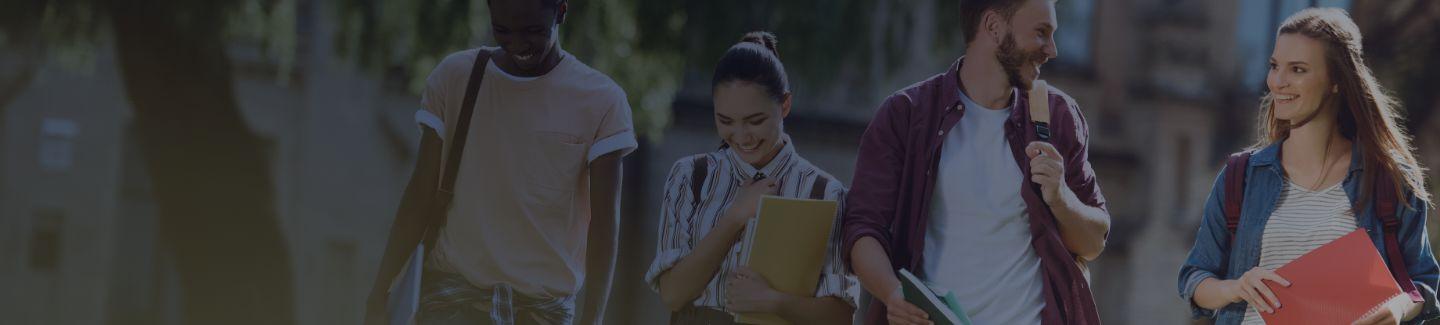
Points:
(685, 218)
(1303, 221)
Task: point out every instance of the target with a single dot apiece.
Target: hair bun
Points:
(763, 38)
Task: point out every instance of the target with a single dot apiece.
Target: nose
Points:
(1051, 50)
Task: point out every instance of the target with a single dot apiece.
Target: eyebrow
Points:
(1272, 60)
(539, 26)
(746, 117)
(1047, 26)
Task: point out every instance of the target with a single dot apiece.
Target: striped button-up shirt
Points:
(685, 218)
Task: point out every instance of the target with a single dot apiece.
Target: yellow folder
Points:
(786, 242)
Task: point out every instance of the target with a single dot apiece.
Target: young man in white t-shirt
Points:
(536, 196)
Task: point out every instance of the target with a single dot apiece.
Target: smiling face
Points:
(526, 30)
(1029, 43)
(1299, 80)
(749, 120)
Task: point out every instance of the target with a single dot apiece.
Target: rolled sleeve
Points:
(1187, 292)
(1079, 174)
(870, 203)
(839, 285)
(623, 142)
(674, 242)
(1208, 257)
(444, 91)
(665, 258)
(1419, 258)
(836, 281)
(428, 119)
(617, 131)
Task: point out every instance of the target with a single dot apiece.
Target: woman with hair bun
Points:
(710, 197)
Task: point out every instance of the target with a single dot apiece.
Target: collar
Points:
(744, 170)
(1270, 155)
(950, 93)
(525, 82)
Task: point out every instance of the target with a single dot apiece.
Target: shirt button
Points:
(942, 132)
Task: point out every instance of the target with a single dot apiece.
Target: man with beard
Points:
(997, 211)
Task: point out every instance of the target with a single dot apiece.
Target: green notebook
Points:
(942, 310)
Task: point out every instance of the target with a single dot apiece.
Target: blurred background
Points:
(240, 161)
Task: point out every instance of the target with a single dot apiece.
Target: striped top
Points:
(1303, 221)
(685, 220)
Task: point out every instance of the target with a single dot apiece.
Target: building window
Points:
(45, 240)
(1074, 37)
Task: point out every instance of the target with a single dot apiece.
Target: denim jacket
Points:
(1213, 257)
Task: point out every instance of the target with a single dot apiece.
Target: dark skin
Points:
(525, 30)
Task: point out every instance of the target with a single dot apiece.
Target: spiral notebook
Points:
(1335, 284)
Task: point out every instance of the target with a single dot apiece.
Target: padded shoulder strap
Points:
(1235, 169)
(698, 171)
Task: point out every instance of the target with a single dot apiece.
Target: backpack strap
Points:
(1235, 168)
(817, 191)
(699, 169)
(446, 191)
(1385, 206)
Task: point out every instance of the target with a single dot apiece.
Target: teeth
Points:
(523, 57)
(1285, 97)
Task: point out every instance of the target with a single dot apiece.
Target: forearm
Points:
(1213, 294)
(872, 267)
(1082, 227)
(405, 233)
(599, 268)
(687, 279)
(815, 310)
(408, 227)
(602, 237)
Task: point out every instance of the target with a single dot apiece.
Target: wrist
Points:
(1232, 290)
(779, 302)
(1068, 200)
(894, 294)
(733, 221)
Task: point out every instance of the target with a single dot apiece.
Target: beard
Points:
(1012, 58)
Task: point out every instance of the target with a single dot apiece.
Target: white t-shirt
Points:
(978, 242)
(521, 211)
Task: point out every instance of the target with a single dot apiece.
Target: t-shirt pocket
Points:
(559, 158)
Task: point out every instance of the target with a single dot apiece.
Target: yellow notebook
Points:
(786, 242)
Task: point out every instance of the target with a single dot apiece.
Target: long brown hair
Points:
(1367, 114)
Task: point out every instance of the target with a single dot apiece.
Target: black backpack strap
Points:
(446, 191)
(817, 191)
(1235, 168)
(1386, 203)
(698, 171)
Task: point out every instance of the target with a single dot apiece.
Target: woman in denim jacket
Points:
(1329, 132)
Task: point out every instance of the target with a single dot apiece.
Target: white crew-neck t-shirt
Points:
(978, 242)
(521, 210)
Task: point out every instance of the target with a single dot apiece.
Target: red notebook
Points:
(1334, 284)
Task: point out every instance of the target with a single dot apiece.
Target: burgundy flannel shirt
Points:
(891, 193)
